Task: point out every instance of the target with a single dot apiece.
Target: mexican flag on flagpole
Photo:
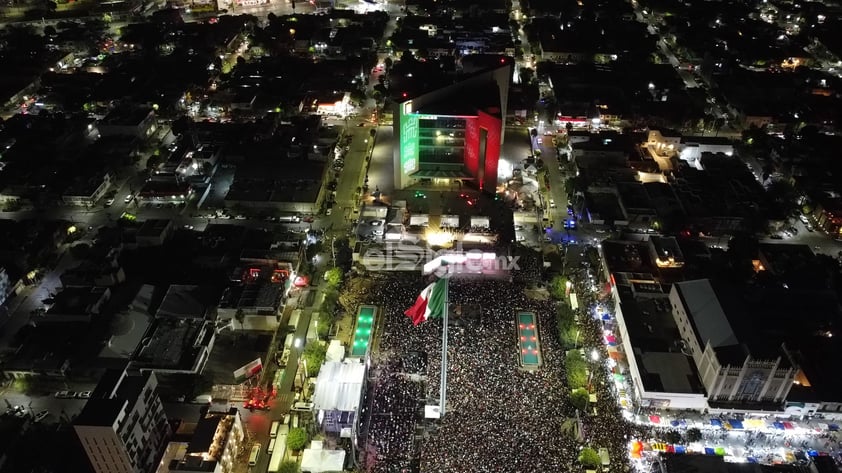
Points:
(430, 303)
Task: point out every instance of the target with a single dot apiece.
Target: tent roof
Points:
(335, 351)
(319, 461)
(338, 386)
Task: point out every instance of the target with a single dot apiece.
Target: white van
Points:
(286, 419)
(288, 340)
(271, 445)
(254, 455)
(273, 431)
(293, 319)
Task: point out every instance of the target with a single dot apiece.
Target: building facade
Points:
(729, 371)
(214, 447)
(453, 133)
(123, 427)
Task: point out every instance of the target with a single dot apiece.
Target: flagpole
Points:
(443, 386)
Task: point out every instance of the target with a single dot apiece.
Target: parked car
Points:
(109, 202)
(128, 198)
(41, 415)
(65, 395)
(83, 395)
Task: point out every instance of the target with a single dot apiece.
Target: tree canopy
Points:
(558, 287)
(296, 439)
(289, 466)
(567, 328)
(589, 457)
(579, 398)
(333, 277)
(314, 355)
(577, 370)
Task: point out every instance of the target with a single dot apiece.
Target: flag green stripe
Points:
(438, 299)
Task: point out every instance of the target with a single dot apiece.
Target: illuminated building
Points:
(123, 426)
(453, 133)
(214, 446)
(731, 369)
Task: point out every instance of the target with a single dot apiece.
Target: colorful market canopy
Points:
(636, 449)
(788, 425)
(716, 422)
(778, 425)
(655, 419)
(735, 424)
(833, 427)
(720, 451)
(754, 423)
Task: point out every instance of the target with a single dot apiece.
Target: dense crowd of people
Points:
(394, 413)
(500, 417)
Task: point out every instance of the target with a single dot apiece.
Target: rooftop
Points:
(117, 390)
(466, 101)
(153, 227)
(129, 326)
(705, 313)
(126, 115)
(188, 301)
(657, 343)
(173, 343)
(76, 301)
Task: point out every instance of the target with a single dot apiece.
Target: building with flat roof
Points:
(164, 191)
(258, 288)
(213, 448)
(663, 374)
(276, 182)
(175, 345)
(154, 232)
(128, 120)
(129, 326)
(188, 301)
(87, 189)
(123, 427)
(730, 370)
(453, 133)
(75, 304)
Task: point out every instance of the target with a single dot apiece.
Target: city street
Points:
(60, 409)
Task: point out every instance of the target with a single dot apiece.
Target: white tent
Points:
(338, 386)
(393, 233)
(335, 351)
(449, 221)
(481, 222)
(421, 220)
(318, 460)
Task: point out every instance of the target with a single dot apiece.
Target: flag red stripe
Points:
(416, 312)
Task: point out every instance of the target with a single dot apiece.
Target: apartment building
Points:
(123, 427)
